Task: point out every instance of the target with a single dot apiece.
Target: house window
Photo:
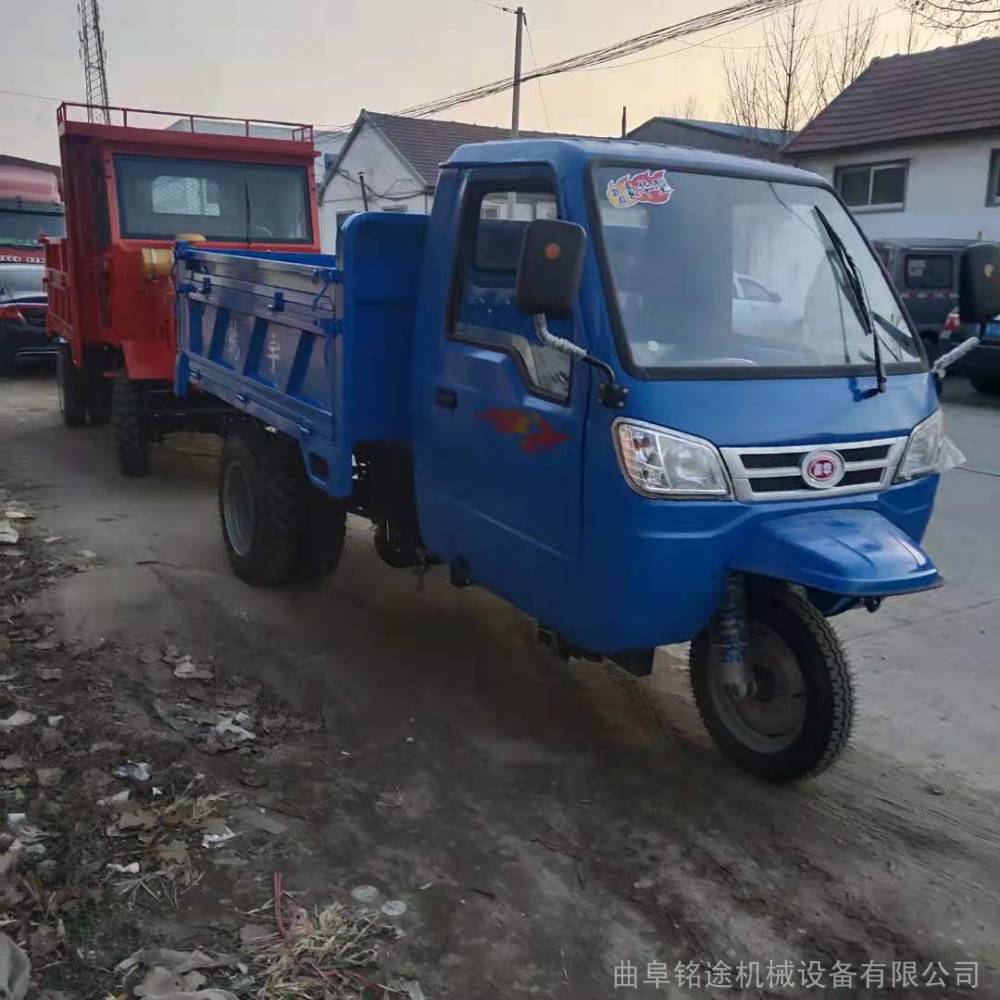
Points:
(993, 193)
(872, 185)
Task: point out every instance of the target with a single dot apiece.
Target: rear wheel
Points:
(989, 385)
(70, 384)
(796, 717)
(276, 525)
(322, 528)
(128, 404)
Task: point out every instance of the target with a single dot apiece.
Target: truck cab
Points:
(554, 387)
(134, 181)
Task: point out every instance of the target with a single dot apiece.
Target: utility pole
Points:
(93, 58)
(515, 107)
(515, 111)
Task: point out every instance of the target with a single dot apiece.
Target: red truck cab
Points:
(134, 181)
(30, 209)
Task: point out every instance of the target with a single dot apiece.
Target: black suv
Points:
(23, 311)
(925, 273)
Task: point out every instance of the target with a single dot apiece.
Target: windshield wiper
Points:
(860, 295)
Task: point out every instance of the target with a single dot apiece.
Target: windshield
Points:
(714, 272)
(20, 281)
(24, 227)
(163, 197)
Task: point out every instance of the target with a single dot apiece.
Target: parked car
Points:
(759, 312)
(23, 311)
(982, 364)
(925, 273)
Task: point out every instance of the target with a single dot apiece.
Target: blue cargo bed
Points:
(317, 349)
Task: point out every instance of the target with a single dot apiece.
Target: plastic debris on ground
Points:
(8, 533)
(211, 730)
(176, 975)
(135, 771)
(18, 515)
(186, 669)
(15, 970)
(18, 718)
(130, 869)
(365, 894)
(394, 907)
(216, 833)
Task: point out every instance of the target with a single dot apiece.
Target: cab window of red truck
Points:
(159, 197)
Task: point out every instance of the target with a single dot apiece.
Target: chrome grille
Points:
(776, 473)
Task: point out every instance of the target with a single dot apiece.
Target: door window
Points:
(485, 312)
(924, 270)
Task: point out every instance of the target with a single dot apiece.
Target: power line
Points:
(742, 11)
(34, 97)
(538, 80)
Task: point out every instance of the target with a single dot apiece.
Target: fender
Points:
(858, 553)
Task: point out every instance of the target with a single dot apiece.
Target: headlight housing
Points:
(661, 463)
(922, 456)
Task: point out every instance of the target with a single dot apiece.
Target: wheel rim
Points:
(238, 508)
(771, 715)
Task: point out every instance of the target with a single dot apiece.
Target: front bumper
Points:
(662, 580)
(22, 342)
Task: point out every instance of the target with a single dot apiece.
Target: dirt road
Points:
(545, 823)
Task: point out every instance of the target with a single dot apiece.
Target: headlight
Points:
(923, 451)
(662, 463)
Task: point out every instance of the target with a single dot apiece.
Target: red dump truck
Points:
(134, 182)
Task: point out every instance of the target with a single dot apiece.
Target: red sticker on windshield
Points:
(649, 187)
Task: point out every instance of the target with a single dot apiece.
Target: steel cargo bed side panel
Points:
(317, 347)
(263, 332)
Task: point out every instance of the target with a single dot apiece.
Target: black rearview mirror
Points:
(979, 283)
(548, 275)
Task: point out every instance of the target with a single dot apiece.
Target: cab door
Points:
(501, 418)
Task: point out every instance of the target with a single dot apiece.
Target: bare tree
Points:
(914, 40)
(788, 37)
(687, 106)
(958, 17)
(747, 100)
(774, 86)
(845, 54)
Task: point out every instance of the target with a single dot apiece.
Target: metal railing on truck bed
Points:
(315, 348)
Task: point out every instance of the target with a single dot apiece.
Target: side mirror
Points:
(979, 283)
(775, 297)
(551, 266)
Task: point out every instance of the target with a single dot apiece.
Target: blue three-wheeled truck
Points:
(647, 395)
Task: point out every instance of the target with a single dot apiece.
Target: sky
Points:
(321, 61)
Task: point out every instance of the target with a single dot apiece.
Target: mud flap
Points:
(854, 552)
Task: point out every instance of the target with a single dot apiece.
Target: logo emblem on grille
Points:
(823, 469)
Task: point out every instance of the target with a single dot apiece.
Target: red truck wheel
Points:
(128, 405)
(72, 398)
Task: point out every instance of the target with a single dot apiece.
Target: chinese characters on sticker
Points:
(648, 187)
(788, 975)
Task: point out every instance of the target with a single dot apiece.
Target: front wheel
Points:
(796, 717)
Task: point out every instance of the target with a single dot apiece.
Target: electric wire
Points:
(746, 9)
(538, 80)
